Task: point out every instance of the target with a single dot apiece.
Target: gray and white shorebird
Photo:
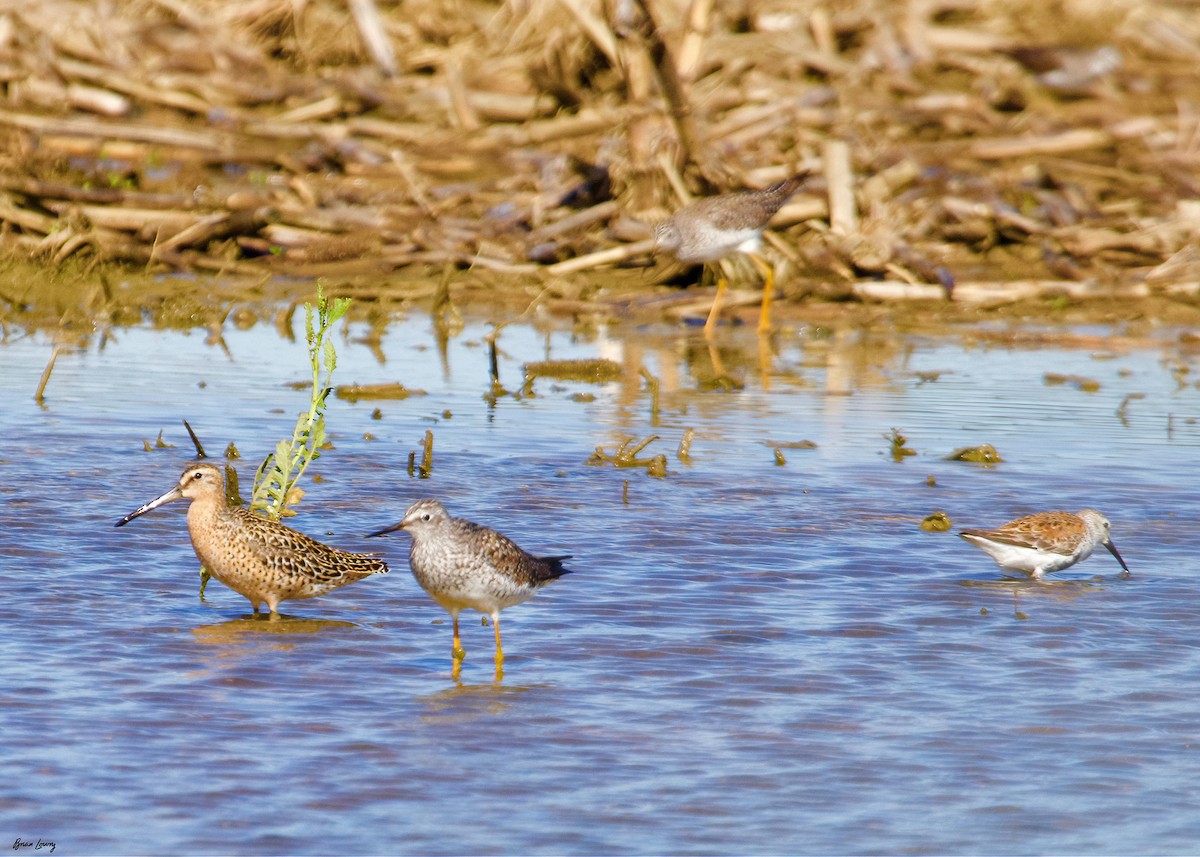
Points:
(714, 227)
(463, 565)
(1040, 544)
(256, 557)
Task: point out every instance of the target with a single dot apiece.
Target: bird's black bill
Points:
(173, 494)
(132, 515)
(386, 530)
(1112, 549)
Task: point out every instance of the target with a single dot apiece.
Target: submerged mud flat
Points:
(760, 651)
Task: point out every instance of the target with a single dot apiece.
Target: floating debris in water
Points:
(626, 456)
(899, 449)
(426, 468)
(159, 443)
(39, 396)
(195, 440)
(1079, 382)
(684, 453)
(790, 444)
(985, 453)
(1123, 408)
(936, 522)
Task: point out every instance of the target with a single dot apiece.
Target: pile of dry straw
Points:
(984, 150)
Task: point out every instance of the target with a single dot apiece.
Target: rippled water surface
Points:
(752, 656)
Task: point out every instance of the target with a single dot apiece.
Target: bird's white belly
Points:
(1027, 560)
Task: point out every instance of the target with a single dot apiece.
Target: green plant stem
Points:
(282, 470)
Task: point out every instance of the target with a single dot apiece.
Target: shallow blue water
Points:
(750, 658)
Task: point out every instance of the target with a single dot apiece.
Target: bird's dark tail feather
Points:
(554, 566)
(789, 186)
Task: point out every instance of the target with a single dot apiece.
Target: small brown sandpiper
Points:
(1046, 542)
(256, 557)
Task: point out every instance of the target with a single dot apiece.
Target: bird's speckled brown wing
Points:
(283, 549)
(1056, 532)
(503, 552)
(750, 209)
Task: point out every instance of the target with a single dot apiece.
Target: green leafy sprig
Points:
(281, 470)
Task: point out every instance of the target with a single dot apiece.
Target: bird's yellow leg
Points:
(499, 648)
(717, 363)
(765, 360)
(711, 324)
(457, 652)
(764, 317)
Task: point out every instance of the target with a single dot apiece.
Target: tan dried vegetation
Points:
(986, 151)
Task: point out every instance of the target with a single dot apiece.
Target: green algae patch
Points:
(936, 522)
(594, 371)
(985, 453)
(395, 391)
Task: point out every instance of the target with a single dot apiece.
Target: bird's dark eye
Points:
(198, 475)
(425, 517)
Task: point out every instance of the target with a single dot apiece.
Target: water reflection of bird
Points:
(1040, 544)
(463, 565)
(245, 630)
(258, 558)
(711, 228)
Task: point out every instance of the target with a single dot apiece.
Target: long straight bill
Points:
(174, 494)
